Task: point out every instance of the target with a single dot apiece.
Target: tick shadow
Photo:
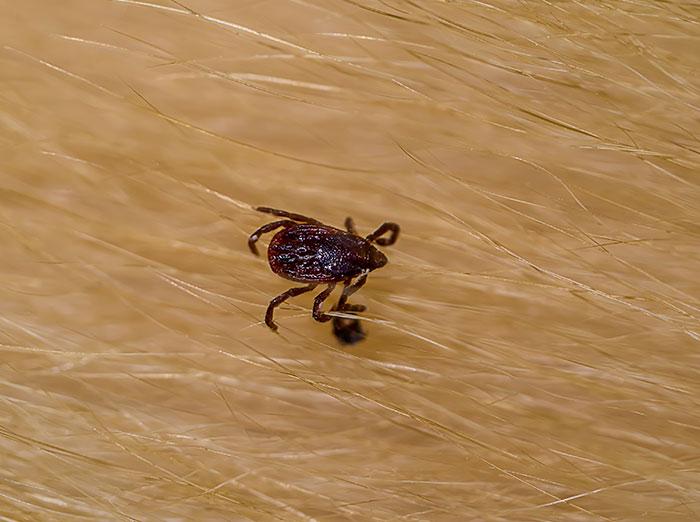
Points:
(347, 330)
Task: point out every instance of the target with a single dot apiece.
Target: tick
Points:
(307, 251)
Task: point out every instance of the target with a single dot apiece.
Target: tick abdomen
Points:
(317, 253)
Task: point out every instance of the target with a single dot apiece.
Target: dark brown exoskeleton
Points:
(307, 251)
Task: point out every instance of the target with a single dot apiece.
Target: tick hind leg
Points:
(318, 314)
(292, 292)
(289, 215)
(264, 230)
(385, 241)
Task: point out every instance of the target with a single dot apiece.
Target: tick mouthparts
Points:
(376, 259)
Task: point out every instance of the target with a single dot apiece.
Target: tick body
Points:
(307, 251)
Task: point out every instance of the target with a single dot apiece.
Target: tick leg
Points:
(318, 314)
(288, 215)
(353, 308)
(347, 292)
(265, 229)
(349, 331)
(292, 292)
(350, 225)
(383, 241)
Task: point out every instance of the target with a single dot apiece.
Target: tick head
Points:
(376, 259)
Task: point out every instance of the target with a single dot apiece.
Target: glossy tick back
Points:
(307, 251)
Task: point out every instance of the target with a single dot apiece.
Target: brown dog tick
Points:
(307, 251)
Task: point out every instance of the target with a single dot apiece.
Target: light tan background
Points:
(533, 344)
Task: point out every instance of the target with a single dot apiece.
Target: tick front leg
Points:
(383, 241)
(351, 308)
(288, 215)
(264, 230)
(292, 292)
(348, 291)
(318, 314)
(349, 331)
(350, 225)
